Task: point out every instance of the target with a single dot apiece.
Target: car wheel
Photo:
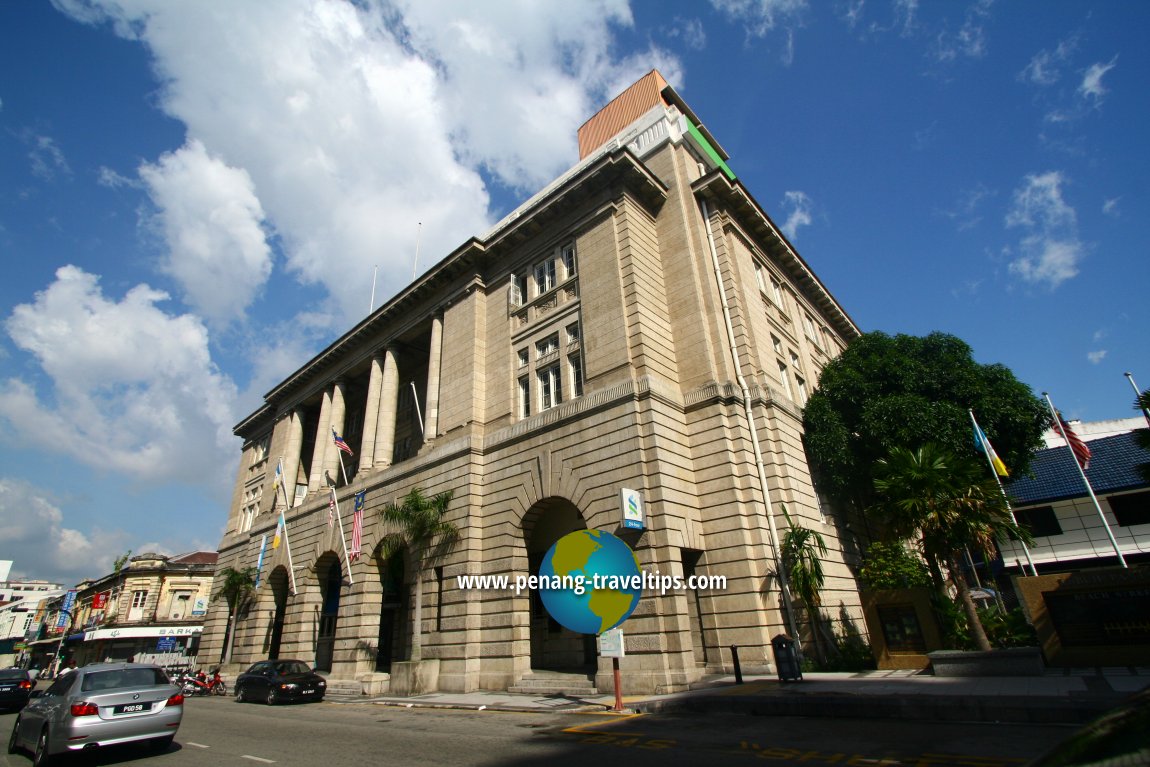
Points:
(240, 694)
(160, 745)
(272, 698)
(14, 740)
(40, 755)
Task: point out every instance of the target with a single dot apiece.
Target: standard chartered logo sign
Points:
(590, 581)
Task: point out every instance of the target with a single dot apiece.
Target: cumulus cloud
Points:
(129, 388)
(35, 535)
(354, 121)
(212, 223)
(1049, 250)
(1096, 357)
(798, 207)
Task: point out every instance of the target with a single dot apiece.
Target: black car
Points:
(15, 687)
(1120, 737)
(279, 681)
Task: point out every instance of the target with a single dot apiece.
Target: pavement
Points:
(1060, 696)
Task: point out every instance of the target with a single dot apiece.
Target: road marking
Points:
(197, 745)
(257, 759)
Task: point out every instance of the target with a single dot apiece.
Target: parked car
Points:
(99, 705)
(15, 687)
(1121, 736)
(279, 681)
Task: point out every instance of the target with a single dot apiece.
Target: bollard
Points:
(735, 660)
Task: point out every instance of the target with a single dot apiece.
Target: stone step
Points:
(344, 687)
(554, 683)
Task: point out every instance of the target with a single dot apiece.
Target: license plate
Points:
(6, 689)
(307, 692)
(131, 708)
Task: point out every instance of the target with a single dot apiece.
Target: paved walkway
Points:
(1066, 696)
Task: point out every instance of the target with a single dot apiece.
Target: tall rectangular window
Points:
(544, 276)
(550, 387)
(523, 358)
(802, 390)
(786, 379)
(524, 397)
(569, 260)
(777, 292)
(573, 333)
(576, 374)
(548, 345)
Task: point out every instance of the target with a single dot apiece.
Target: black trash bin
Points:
(787, 659)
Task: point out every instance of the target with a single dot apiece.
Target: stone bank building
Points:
(638, 324)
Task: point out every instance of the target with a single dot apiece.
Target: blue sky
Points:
(194, 197)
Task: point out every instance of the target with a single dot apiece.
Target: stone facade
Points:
(640, 323)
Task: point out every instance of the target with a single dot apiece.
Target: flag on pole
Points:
(357, 526)
(1081, 451)
(331, 508)
(340, 443)
(280, 526)
(260, 560)
(982, 442)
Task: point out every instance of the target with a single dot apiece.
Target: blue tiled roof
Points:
(1113, 467)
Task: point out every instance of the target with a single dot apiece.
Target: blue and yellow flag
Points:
(983, 444)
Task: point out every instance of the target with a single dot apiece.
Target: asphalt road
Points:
(218, 731)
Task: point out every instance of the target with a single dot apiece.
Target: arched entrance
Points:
(553, 647)
(278, 582)
(393, 627)
(330, 573)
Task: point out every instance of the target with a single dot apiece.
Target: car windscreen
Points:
(13, 675)
(120, 678)
(292, 667)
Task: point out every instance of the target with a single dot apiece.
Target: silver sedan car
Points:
(100, 705)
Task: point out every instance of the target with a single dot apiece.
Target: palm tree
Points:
(801, 549)
(947, 503)
(235, 587)
(424, 534)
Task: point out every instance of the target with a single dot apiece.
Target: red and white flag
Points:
(331, 508)
(1081, 451)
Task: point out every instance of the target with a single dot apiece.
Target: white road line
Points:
(197, 745)
(257, 759)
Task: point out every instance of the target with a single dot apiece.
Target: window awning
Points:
(134, 632)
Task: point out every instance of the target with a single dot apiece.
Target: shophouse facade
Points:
(639, 324)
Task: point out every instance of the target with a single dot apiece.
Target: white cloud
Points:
(46, 158)
(761, 17)
(1045, 67)
(690, 31)
(969, 40)
(798, 207)
(129, 388)
(34, 534)
(1091, 87)
(212, 223)
(354, 121)
(1096, 357)
(1049, 250)
(1110, 207)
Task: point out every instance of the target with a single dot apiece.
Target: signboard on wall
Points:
(632, 504)
(200, 606)
(66, 610)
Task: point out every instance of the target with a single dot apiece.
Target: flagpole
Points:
(418, 412)
(1137, 396)
(283, 518)
(1001, 489)
(1085, 481)
(342, 539)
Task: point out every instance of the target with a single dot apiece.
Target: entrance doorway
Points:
(553, 647)
(278, 581)
(330, 586)
(392, 626)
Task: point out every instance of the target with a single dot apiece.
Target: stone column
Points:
(388, 401)
(322, 441)
(291, 453)
(431, 418)
(371, 414)
(331, 464)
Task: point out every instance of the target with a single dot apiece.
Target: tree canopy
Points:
(904, 391)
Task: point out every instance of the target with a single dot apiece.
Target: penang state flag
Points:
(279, 526)
(357, 526)
(983, 444)
(340, 443)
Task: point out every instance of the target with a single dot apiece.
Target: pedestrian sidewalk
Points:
(1061, 696)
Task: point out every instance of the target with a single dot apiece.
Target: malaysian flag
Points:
(340, 443)
(1081, 451)
(357, 526)
(331, 508)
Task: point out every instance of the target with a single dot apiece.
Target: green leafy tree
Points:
(121, 560)
(235, 587)
(888, 565)
(886, 391)
(424, 534)
(947, 503)
(801, 552)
